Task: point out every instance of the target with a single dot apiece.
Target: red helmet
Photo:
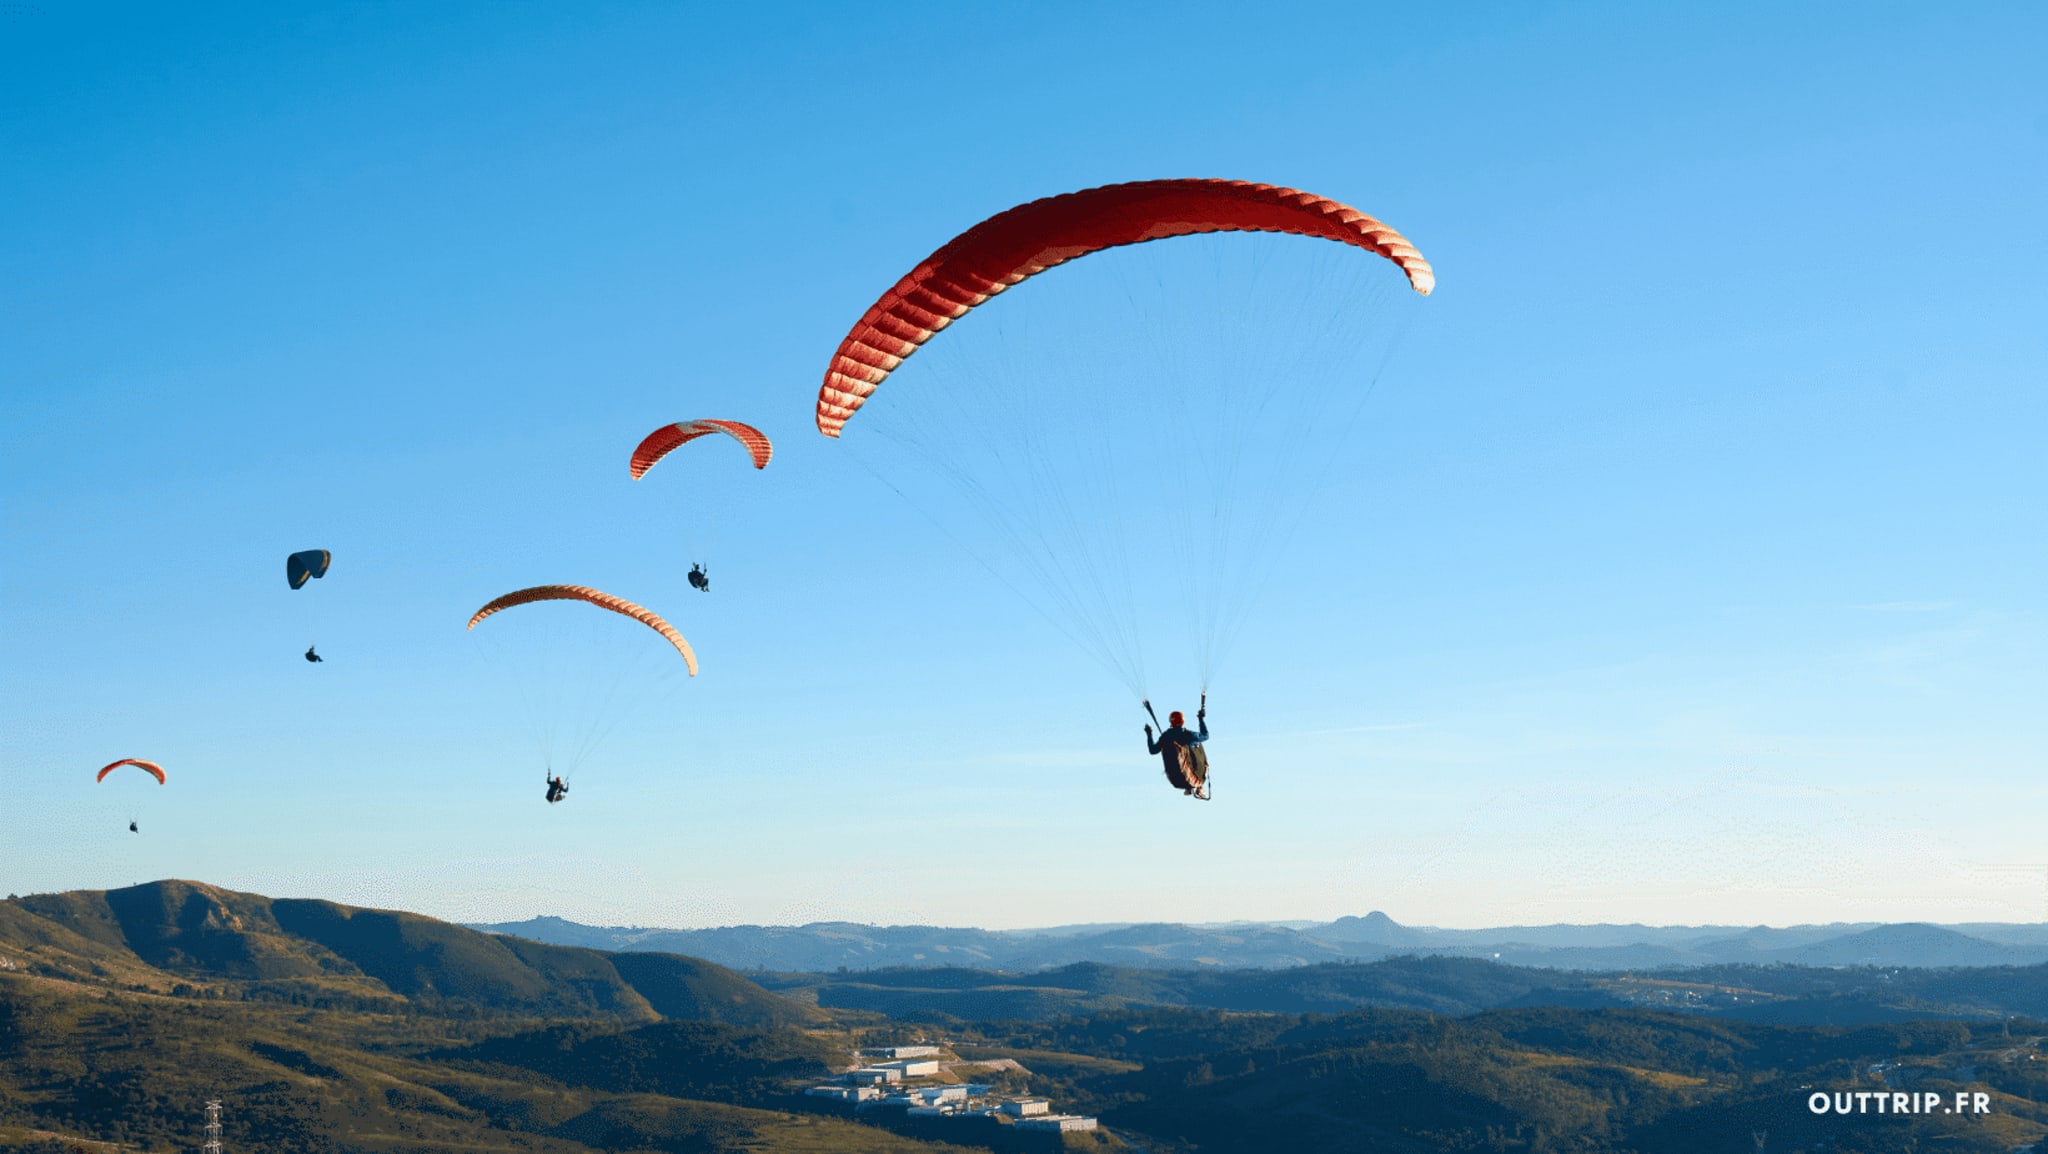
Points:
(1176, 718)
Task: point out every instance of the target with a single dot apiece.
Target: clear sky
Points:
(1690, 565)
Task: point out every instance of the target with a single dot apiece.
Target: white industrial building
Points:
(874, 1076)
(845, 1093)
(1025, 1107)
(1060, 1122)
(927, 1096)
(902, 1051)
(913, 1068)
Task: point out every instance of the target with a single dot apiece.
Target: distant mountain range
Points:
(325, 1027)
(187, 939)
(824, 947)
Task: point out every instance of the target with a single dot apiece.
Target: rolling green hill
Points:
(1437, 984)
(681, 1059)
(109, 1070)
(178, 936)
(1781, 994)
(1634, 1081)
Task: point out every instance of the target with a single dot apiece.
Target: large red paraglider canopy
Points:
(1012, 246)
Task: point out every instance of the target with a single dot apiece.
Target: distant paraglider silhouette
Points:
(578, 673)
(149, 767)
(667, 439)
(301, 567)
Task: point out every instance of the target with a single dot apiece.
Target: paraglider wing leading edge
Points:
(1010, 247)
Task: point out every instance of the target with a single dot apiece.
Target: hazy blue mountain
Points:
(2007, 933)
(1374, 928)
(1926, 945)
(828, 946)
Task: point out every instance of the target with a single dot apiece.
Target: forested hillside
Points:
(323, 1028)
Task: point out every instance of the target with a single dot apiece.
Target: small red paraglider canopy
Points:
(149, 767)
(667, 439)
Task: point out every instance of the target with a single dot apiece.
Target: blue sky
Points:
(1689, 565)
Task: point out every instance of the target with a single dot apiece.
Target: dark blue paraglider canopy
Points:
(302, 566)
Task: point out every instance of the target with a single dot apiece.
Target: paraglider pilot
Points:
(132, 829)
(700, 579)
(312, 656)
(557, 789)
(1173, 741)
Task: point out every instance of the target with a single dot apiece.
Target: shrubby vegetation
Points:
(327, 1029)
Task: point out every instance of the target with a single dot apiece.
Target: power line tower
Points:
(212, 1128)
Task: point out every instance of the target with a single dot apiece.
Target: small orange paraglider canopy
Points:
(598, 598)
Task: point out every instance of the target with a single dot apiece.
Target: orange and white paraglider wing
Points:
(598, 598)
(667, 439)
(149, 767)
(1022, 242)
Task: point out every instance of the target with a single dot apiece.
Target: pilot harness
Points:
(1194, 762)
